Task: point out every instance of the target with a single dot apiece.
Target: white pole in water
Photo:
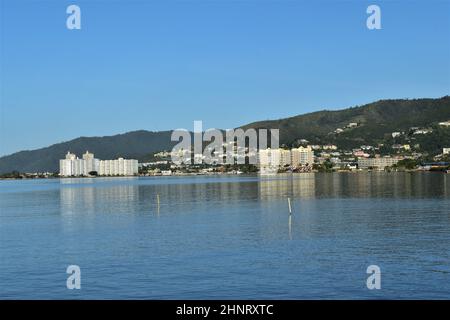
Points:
(289, 205)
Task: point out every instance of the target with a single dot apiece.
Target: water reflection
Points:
(355, 185)
(140, 196)
(299, 186)
(223, 237)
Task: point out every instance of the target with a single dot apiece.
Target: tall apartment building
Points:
(273, 159)
(67, 165)
(118, 167)
(90, 163)
(74, 166)
(302, 156)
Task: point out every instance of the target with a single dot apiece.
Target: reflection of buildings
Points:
(295, 185)
(95, 199)
(73, 166)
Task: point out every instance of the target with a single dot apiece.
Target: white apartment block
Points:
(278, 158)
(274, 157)
(378, 163)
(74, 166)
(118, 167)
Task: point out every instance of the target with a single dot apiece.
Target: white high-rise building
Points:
(67, 165)
(90, 163)
(118, 167)
(270, 160)
(73, 166)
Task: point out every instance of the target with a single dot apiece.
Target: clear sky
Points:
(160, 65)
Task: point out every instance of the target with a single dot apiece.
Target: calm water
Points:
(227, 237)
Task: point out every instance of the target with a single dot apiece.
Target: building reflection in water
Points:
(263, 199)
(354, 185)
(323, 201)
(296, 185)
(84, 198)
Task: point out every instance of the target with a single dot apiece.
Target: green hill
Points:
(376, 121)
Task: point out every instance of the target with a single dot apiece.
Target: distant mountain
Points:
(376, 121)
(135, 144)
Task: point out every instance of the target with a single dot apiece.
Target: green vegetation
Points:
(376, 122)
(408, 164)
(19, 175)
(326, 166)
(11, 175)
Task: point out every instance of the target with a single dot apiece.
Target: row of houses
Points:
(88, 164)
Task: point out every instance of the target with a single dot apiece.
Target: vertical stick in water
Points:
(289, 205)
(157, 201)
(290, 227)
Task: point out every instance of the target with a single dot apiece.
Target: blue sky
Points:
(160, 65)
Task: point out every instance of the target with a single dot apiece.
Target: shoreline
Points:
(235, 174)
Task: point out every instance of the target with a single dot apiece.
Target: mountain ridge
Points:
(376, 121)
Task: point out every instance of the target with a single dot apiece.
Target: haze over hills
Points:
(376, 121)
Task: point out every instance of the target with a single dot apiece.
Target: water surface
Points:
(220, 237)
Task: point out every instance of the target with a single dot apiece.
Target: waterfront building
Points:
(271, 160)
(67, 165)
(118, 167)
(90, 163)
(302, 156)
(379, 163)
(74, 166)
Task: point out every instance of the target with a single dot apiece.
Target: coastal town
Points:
(401, 155)
(319, 158)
